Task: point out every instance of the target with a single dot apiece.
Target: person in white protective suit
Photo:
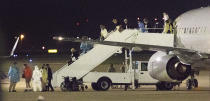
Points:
(36, 77)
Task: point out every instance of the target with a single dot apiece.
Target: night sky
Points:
(40, 20)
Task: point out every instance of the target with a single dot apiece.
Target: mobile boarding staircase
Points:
(93, 58)
(100, 53)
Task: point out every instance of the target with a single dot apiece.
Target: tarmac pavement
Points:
(145, 93)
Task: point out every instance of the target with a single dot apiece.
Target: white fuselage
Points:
(193, 32)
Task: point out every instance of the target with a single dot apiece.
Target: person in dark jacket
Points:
(74, 56)
(50, 77)
(125, 24)
(116, 26)
(112, 27)
(147, 25)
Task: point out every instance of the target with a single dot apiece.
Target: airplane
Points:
(189, 54)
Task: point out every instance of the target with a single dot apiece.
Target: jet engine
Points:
(167, 67)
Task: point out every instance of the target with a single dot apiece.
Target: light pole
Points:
(16, 42)
(21, 39)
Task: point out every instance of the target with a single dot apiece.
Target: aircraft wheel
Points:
(158, 86)
(168, 85)
(195, 83)
(164, 86)
(189, 84)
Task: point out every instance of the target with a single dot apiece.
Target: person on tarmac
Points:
(50, 77)
(36, 77)
(14, 76)
(27, 73)
(44, 77)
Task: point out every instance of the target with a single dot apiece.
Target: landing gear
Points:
(192, 82)
(164, 86)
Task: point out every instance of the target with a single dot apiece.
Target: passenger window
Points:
(199, 29)
(190, 30)
(144, 66)
(205, 29)
(193, 30)
(196, 30)
(185, 30)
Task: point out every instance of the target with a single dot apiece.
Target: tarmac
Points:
(144, 93)
(111, 95)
